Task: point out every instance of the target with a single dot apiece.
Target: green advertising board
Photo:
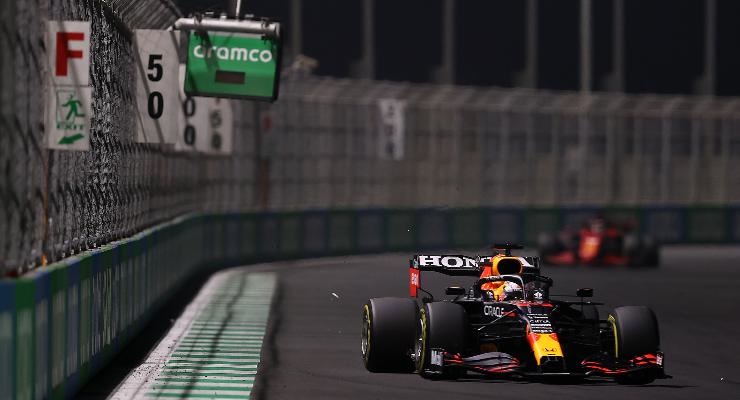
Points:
(233, 65)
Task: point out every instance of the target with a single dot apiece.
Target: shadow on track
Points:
(105, 382)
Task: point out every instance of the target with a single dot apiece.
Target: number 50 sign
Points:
(157, 94)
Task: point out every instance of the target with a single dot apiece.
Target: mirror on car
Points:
(585, 292)
(455, 291)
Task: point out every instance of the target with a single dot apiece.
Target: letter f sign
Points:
(64, 53)
(69, 58)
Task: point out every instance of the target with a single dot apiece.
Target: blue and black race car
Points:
(506, 324)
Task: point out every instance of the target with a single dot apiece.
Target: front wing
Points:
(486, 363)
(497, 363)
(607, 366)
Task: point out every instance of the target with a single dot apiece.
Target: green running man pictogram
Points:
(73, 104)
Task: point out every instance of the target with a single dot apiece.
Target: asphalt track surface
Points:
(313, 348)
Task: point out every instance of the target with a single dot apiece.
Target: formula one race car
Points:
(507, 324)
(598, 242)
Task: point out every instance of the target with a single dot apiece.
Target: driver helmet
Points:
(511, 291)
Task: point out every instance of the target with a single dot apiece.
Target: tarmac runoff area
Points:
(213, 349)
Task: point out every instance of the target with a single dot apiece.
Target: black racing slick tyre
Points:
(547, 244)
(642, 251)
(651, 252)
(635, 333)
(632, 249)
(388, 334)
(441, 325)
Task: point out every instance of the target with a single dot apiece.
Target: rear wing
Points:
(455, 265)
(458, 265)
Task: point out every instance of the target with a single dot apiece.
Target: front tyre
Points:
(388, 334)
(635, 334)
(443, 326)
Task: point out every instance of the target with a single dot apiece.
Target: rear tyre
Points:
(632, 249)
(547, 244)
(642, 251)
(635, 333)
(388, 334)
(651, 252)
(442, 325)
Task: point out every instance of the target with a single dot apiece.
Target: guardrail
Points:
(61, 324)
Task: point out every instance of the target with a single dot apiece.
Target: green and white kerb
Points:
(213, 350)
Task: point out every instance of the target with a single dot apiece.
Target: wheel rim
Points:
(613, 323)
(365, 334)
(419, 345)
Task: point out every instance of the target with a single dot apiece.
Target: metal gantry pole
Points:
(585, 46)
(531, 21)
(368, 39)
(296, 20)
(364, 68)
(447, 69)
(710, 39)
(618, 46)
(270, 29)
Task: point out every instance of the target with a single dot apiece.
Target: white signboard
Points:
(157, 97)
(69, 99)
(193, 119)
(391, 135)
(220, 126)
(69, 53)
(69, 111)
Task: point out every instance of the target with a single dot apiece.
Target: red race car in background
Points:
(599, 242)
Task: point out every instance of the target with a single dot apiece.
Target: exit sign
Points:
(234, 65)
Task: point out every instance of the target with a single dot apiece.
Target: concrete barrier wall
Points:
(61, 324)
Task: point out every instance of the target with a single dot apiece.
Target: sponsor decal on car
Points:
(493, 311)
(414, 281)
(447, 261)
(437, 357)
(539, 323)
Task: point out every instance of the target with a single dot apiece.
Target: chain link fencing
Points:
(59, 203)
(321, 146)
(492, 147)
